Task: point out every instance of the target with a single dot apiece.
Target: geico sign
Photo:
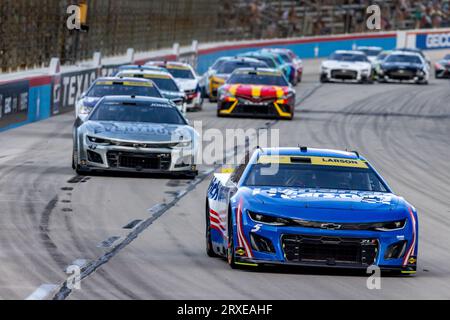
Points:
(440, 40)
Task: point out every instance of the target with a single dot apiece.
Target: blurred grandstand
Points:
(288, 18)
(31, 32)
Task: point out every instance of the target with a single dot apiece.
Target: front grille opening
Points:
(329, 251)
(139, 161)
(396, 250)
(261, 244)
(94, 157)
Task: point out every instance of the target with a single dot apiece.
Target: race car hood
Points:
(172, 95)
(348, 65)
(140, 132)
(444, 63)
(256, 91)
(89, 102)
(324, 205)
(221, 76)
(187, 84)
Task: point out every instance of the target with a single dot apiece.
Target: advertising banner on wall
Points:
(13, 102)
(433, 40)
(68, 87)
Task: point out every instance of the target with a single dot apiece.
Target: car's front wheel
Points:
(209, 248)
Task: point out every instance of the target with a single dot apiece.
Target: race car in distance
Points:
(309, 207)
(259, 92)
(274, 61)
(371, 52)
(417, 51)
(442, 68)
(404, 66)
(186, 78)
(166, 84)
(113, 86)
(378, 60)
(137, 67)
(135, 134)
(205, 78)
(289, 56)
(346, 66)
(225, 69)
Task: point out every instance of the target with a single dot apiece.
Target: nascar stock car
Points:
(113, 86)
(370, 52)
(275, 61)
(186, 78)
(135, 134)
(137, 67)
(442, 68)
(290, 57)
(218, 77)
(166, 84)
(404, 66)
(260, 92)
(346, 65)
(309, 207)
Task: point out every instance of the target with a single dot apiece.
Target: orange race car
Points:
(257, 92)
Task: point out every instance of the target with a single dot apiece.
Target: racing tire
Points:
(209, 248)
(323, 79)
(231, 257)
(76, 166)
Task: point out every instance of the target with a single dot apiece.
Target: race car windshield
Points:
(349, 57)
(400, 58)
(258, 78)
(100, 90)
(370, 52)
(285, 57)
(165, 84)
(136, 112)
(181, 73)
(268, 61)
(229, 66)
(315, 177)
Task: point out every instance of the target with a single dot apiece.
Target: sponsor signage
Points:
(433, 40)
(13, 102)
(68, 88)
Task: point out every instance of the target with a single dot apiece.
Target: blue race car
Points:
(309, 207)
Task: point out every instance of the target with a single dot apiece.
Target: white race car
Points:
(187, 79)
(347, 66)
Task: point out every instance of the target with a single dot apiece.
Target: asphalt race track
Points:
(50, 218)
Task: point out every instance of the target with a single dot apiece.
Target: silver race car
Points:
(135, 134)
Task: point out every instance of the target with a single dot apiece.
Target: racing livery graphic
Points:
(309, 207)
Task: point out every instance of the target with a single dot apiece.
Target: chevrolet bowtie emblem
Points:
(330, 226)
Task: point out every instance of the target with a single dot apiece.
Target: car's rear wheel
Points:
(209, 248)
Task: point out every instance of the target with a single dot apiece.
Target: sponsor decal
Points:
(324, 161)
(125, 83)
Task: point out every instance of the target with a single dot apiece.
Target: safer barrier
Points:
(32, 99)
